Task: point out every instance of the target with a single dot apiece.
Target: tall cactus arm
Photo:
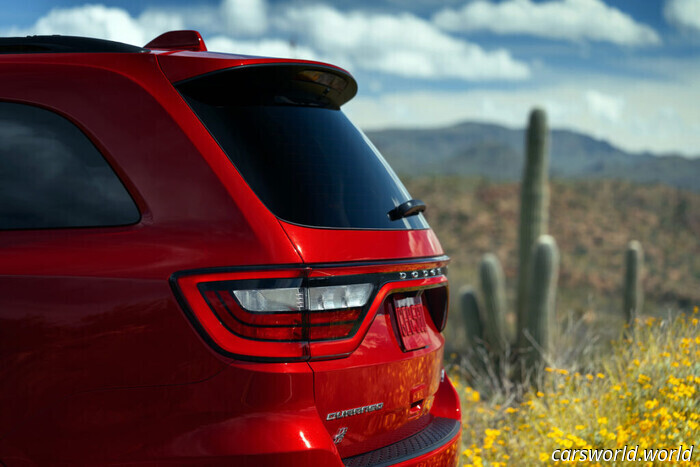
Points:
(534, 199)
(494, 298)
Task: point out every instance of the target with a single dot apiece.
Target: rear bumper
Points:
(447, 455)
(437, 444)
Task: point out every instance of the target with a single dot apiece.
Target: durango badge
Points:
(357, 411)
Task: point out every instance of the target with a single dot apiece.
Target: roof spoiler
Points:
(178, 40)
(275, 83)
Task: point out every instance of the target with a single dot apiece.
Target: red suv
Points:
(203, 262)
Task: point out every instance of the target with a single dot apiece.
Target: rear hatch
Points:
(367, 307)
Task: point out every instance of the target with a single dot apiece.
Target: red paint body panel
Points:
(229, 418)
(100, 362)
(182, 65)
(323, 245)
(67, 335)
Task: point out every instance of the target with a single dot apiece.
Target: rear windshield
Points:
(300, 154)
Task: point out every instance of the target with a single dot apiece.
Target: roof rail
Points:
(178, 40)
(63, 44)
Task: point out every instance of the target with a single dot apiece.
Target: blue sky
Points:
(622, 70)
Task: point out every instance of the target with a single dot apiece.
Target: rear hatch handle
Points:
(406, 209)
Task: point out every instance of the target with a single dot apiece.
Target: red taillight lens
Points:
(273, 318)
(297, 314)
(271, 326)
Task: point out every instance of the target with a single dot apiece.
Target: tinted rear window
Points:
(51, 175)
(303, 158)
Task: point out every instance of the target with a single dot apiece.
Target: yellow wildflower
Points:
(651, 404)
(472, 394)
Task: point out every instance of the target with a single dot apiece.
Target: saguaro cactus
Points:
(534, 204)
(534, 338)
(633, 295)
(470, 315)
(494, 299)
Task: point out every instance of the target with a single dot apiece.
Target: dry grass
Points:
(643, 391)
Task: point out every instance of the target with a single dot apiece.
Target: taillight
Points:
(298, 313)
(294, 314)
(273, 318)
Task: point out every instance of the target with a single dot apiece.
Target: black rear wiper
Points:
(405, 209)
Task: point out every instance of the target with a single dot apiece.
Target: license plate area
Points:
(410, 321)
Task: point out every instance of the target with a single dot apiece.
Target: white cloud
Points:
(635, 115)
(245, 17)
(683, 13)
(604, 106)
(88, 20)
(155, 22)
(104, 22)
(264, 47)
(573, 20)
(401, 44)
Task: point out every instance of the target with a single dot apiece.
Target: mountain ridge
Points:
(496, 152)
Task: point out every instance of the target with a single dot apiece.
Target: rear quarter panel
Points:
(91, 308)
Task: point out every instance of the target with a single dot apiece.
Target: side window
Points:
(52, 176)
